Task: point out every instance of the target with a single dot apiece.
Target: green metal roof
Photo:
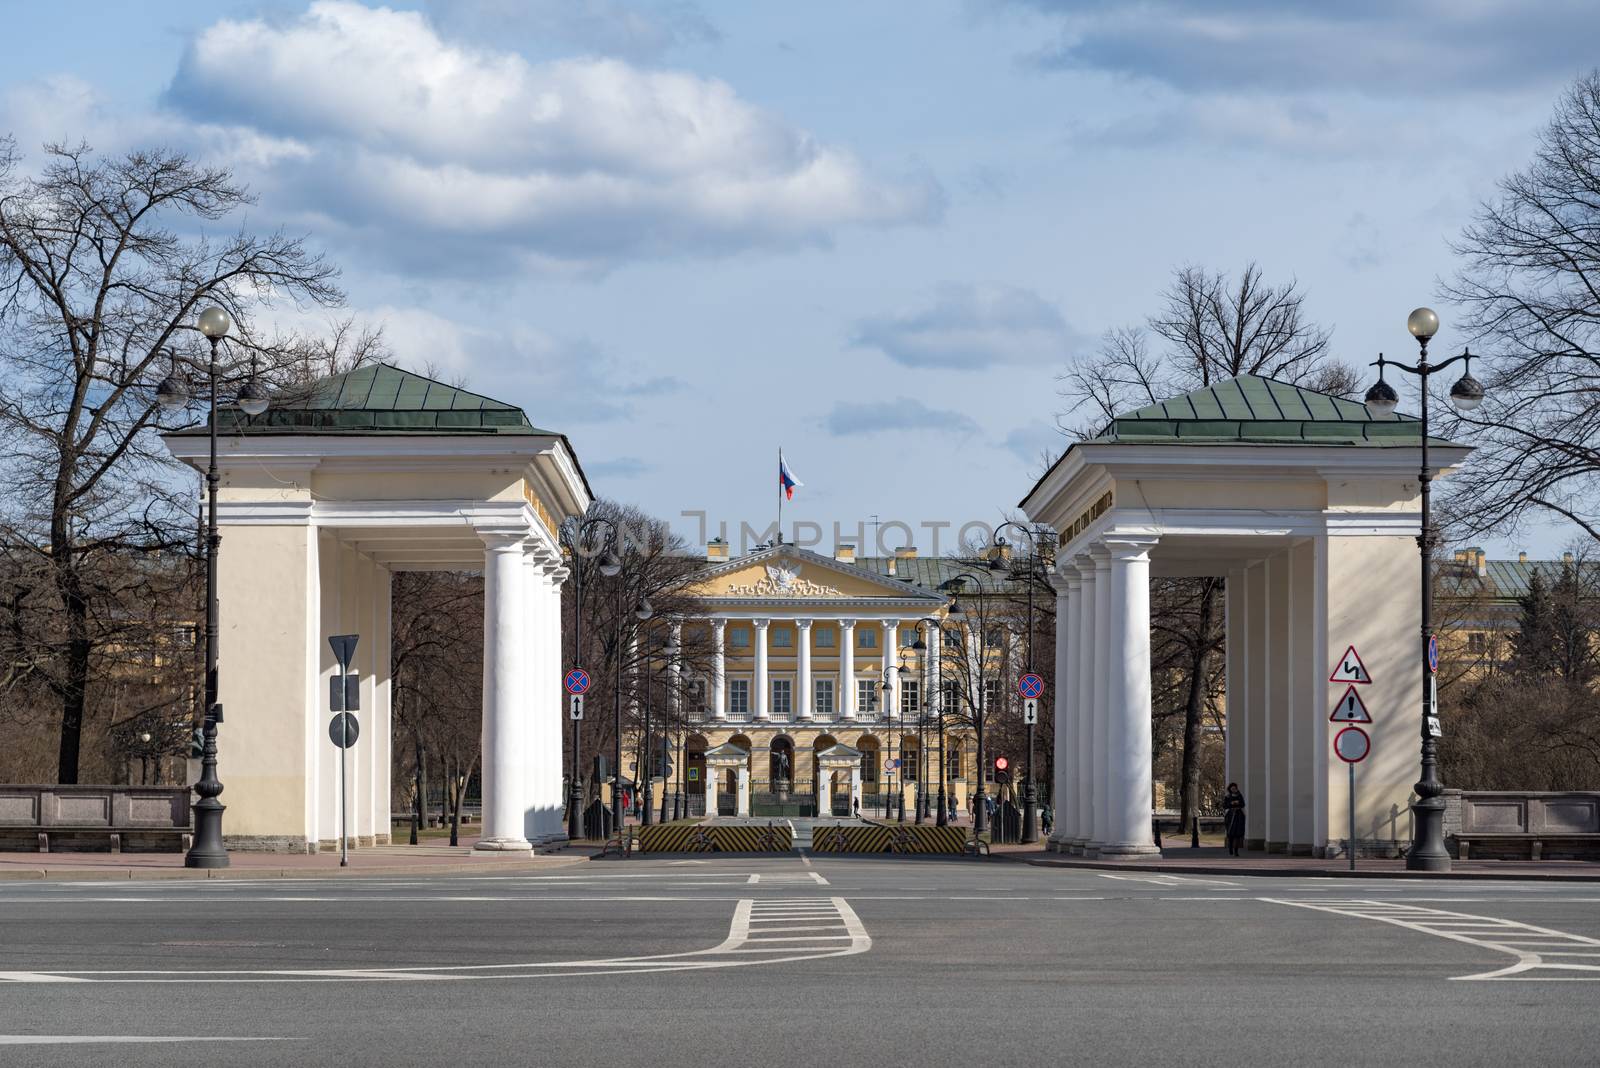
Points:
(380, 398)
(1261, 411)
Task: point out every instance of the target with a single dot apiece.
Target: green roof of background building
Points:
(380, 398)
(1256, 410)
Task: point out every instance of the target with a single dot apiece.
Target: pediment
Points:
(787, 571)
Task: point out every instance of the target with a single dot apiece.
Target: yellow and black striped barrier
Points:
(710, 838)
(888, 838)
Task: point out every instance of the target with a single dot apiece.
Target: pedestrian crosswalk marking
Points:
(1532, 946)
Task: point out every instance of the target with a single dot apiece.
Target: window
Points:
(955, 762)
(908, 638)
(823, 697)
(910, 697)
(951, 701)
(824, 637)
(739, 637)
(782, 698)
(1477, 643)
(739, 698)
(908, 760)
(867, 639)
(697, 694)
(782, 638)
(991, 696)
(866, 695)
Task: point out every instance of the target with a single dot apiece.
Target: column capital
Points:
(502, 541)
(803, 624)
(1128, 547)
(1084, 562)
(1100, 556)
(847, 624)
(719, 625)
(761, 624)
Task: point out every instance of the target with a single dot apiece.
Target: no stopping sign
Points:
(1352, 745)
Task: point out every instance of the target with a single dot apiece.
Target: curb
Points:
(178, 874)
(1167, 868)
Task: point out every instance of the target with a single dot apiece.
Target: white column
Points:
(1099, 753)
(855, 789)
(675, 671)
(847, 668)
(891, 671)
(761, 701)
(712, 774)
(719, 665)
(1084, 661)
(1063, 786)
(504, 648)
(528, 710)
(1128, 755)
(807, 704)
(743, 806)
(552, 698)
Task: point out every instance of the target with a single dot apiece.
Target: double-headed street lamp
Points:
(1030, 793)
(976, 677)
(1427, 851)
(934, 703)
(173, 394)
(577, 537)
(896, 798)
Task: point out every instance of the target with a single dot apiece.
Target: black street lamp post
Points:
(976, 697)
(1030, 792)
(934, 703)
(208, 850)
(1427, 851)
(577, 538)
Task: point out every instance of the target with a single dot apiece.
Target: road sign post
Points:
(1352, 746)
(343, 701)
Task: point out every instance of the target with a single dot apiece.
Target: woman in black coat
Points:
(1233, 819)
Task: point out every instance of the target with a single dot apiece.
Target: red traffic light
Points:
(1001, 763)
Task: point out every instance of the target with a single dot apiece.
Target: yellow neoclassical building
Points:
(804, 709)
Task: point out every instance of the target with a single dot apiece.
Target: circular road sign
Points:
(1030, 685)
(1352, 745)
(577, 681)
(344, 729)
(1433, 652)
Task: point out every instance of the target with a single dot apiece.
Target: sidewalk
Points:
(1214, 860)
(428, 858)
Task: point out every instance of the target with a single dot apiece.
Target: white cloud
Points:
(972, 327)
(900, 414)
(575, 163)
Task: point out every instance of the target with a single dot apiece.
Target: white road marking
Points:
(83, 1040)
(1166, 880)
(832, 914)
(1531, 945)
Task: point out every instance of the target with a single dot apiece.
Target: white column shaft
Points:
(504, 648)
(1063, 784)
(891, 671)
(719, 668)
(1100, 753)
(847, 668)
(1082, 755)
(1131, 792)
(761, 700)
(805, 703)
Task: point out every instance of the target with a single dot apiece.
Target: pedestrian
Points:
(855, 806)
(1233, 819)
(1046, 818)
(951, 802)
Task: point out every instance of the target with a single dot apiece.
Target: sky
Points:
(687, 234)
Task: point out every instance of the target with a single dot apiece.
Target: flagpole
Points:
(780, 494)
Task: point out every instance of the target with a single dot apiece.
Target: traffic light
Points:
(602, 769)
(1002, 771)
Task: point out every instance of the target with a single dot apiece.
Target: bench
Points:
(1517, 845)
(1523, 824)
(50, 817)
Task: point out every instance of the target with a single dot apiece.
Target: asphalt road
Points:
(779, 962)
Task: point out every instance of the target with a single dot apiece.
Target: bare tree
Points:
(1530, 287)
(104, 264)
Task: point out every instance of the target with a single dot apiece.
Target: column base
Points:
(1277, 847)
(502, 845)
(1123, 850)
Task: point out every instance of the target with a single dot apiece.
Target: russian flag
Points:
(786, 478)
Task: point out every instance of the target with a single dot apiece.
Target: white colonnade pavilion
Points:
(1309, 507)
(322, 499)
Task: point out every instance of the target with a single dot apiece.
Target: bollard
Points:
(1156, 823)
(1194, 832)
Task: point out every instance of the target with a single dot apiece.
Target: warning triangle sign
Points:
(1349, 668)
(1350, 709)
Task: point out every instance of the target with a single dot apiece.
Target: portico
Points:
(322, 500)
(1309, 507)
